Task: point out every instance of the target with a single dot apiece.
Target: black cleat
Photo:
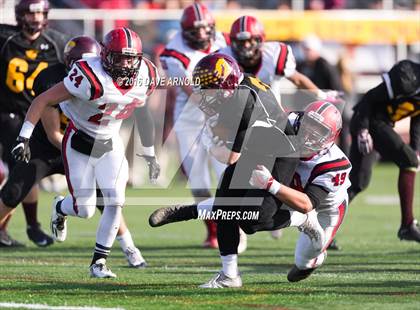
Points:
(38, 236)
(8, 242)
(410, 232)
(295, 274)
(172, 214)
(334, 246)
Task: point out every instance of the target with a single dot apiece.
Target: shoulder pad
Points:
(185, 60)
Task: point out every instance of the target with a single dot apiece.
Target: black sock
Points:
(58, 208)
(100, 252)
(31, 209)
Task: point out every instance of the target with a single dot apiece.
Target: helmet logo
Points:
(36, 7)
(222, 68)
(200, 23)
(129, 51)
(244, 35)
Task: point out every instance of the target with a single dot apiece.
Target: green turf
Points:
(374, 271)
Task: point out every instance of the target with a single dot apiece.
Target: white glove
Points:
(364, 141)
(208, 139)
(261, 178)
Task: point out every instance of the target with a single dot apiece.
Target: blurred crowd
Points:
(239, 4)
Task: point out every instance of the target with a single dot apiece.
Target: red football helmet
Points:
(197, 26)
(247, 35)
(31, 6)
(320, 126)
(78, 47)
(216, 76)
(121, 53)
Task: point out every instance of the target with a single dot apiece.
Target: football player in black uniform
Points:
(25, 50)
(253, 130)
(397, 97)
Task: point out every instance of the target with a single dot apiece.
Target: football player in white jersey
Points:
(320, 183)
(269, 61)
(196, 39)
(97, 94)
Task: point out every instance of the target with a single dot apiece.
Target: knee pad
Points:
(113, 197)
(86, 211)
(11, 195)
(407, 158)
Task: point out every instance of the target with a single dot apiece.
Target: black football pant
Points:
(388, 144)
(10, 125)
(235, 194)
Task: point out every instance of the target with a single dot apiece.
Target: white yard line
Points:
(46, 307)
(382, 200)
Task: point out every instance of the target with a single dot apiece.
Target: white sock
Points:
(205, 206)
(67, 206)
(108, 226)
(126, 241)
(297, 218)
(230, 265)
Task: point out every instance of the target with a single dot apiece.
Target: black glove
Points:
(154, 168)
(20, 150)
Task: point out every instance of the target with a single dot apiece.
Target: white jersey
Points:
(329, 170)
(178, 60)
(277, 61)
(99, 105)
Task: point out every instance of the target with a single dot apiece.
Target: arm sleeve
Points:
(316, 194)
(145, 125)
(415, 133)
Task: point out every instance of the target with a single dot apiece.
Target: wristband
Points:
(149, 151)
(273, 186)
(26, 130)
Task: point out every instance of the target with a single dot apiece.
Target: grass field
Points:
(374, 271)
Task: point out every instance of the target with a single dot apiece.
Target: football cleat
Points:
(100, 270)
(410, 232)
(211, 243)
(276, 234)
(58, 222)
(295, 274)
(134, 258)
(8, 242)
(313, 230)
(38, 236)
(172, 214)
(243, 241)
(220, 280)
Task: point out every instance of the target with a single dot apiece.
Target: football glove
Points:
(21, 150)
(154, 167)
(208, 138)
(261, 178)
(364, 141)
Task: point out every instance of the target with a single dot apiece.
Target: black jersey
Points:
(45, 80)
(20, 63)
(253, 105)
(397, 97)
